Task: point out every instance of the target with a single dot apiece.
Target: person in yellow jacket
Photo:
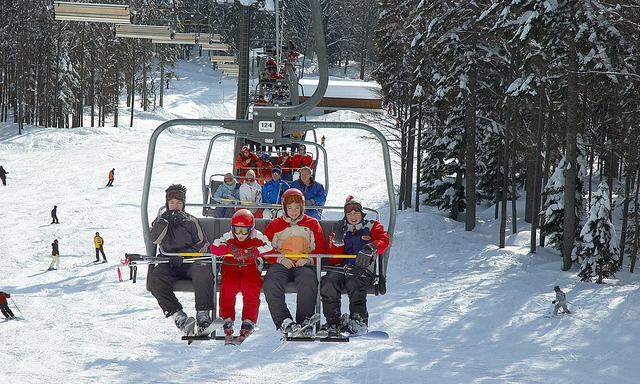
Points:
(99, 242)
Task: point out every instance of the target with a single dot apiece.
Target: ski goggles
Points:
(352, 207)
(241, 230)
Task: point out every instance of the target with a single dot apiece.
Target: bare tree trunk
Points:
(133, 92)
(470, 155)
(117, 99)
(535, 214)
(545, 178)
(569, 230)
(591, 156)
(161, 83)
(403, 157)
(93, 96)
(411, 139)
(419, 157)
(625, 215)
(636, 222)
(514, 192)
(505, 178)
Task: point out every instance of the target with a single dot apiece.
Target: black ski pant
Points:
(274, 286)
(4, 181)
(110, 183)
(98, 252)
(6, 311)
(356, 287)
(54, 220)
(161, 285)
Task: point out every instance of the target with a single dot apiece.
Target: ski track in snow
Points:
(458, 309)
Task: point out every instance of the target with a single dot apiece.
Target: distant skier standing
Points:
(3, 175)
(112, 176)
(98, 242)
(560, 301)
(4, 306)
(55, 254)
(54, 215)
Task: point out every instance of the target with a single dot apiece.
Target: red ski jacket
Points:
(4, 297)
(303, 236)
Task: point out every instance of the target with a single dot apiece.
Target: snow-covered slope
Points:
(458, 309)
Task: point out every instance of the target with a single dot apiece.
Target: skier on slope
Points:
(241, 274)
(112, 176)
(177, 231)
(251, 193)
(54, 215)
(292, 233)
(3, 175)
(4, 306)
(366, 239)
(560, 301)
(98, 243)
(55, 254)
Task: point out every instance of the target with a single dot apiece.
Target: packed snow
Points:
(458, 309)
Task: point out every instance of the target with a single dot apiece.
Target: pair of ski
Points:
(341, 338)
(205, 334)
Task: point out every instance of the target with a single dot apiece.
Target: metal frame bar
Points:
(137, 31)
(92, 12)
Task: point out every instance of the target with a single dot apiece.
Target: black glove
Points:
(175, 261)
(365, 256)
(553, 302)
(174, 217)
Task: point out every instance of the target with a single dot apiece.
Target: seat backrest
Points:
(213, 186)
(215, 227)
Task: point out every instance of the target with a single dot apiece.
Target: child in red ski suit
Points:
(240, 272)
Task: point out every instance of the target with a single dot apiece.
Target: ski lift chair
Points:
(92, 12)
(271, 126)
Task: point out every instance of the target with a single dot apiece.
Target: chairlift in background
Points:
(214, 46)
(135, 31)
(92, 12)
(180, 38)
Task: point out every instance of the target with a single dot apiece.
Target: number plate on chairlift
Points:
(267, 126)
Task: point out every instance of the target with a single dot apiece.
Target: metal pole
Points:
(16, 305)
(278, 58)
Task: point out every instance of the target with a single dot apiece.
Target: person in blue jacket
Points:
(273, 189)
(229, 190)
(314, 193)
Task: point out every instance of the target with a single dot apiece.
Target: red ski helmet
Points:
(245, 148)
(242, 218)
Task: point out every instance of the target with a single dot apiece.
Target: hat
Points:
(277, 170)
(251, 174)
(352, 201)
(176, 191)
(228, 175)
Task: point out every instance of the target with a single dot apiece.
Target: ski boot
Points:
(307, 328)
(356, 326)
(246, 329)
(329, 330)
(289, 327)
(203, 320)
(184, 323)
(227, 327)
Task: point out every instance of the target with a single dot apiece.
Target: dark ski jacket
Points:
(3, 297)
(3, 173)
(54, 212)
(357, 236)
(54, 249)
(185, 236)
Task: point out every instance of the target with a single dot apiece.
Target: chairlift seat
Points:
(92, 12)
(214, 228)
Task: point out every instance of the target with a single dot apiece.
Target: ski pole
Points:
(16, 305)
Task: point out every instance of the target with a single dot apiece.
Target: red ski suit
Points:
(240, 273)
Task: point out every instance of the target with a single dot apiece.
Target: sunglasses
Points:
(351, 208)
(241, 230)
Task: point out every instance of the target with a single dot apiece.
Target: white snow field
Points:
(458, 309)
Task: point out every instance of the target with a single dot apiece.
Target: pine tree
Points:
(597, 252)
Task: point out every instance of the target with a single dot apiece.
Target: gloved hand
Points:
(175, 261)
(174, 217)
(302, 262)
(287, 263)
(553, 302)
(365, 256)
